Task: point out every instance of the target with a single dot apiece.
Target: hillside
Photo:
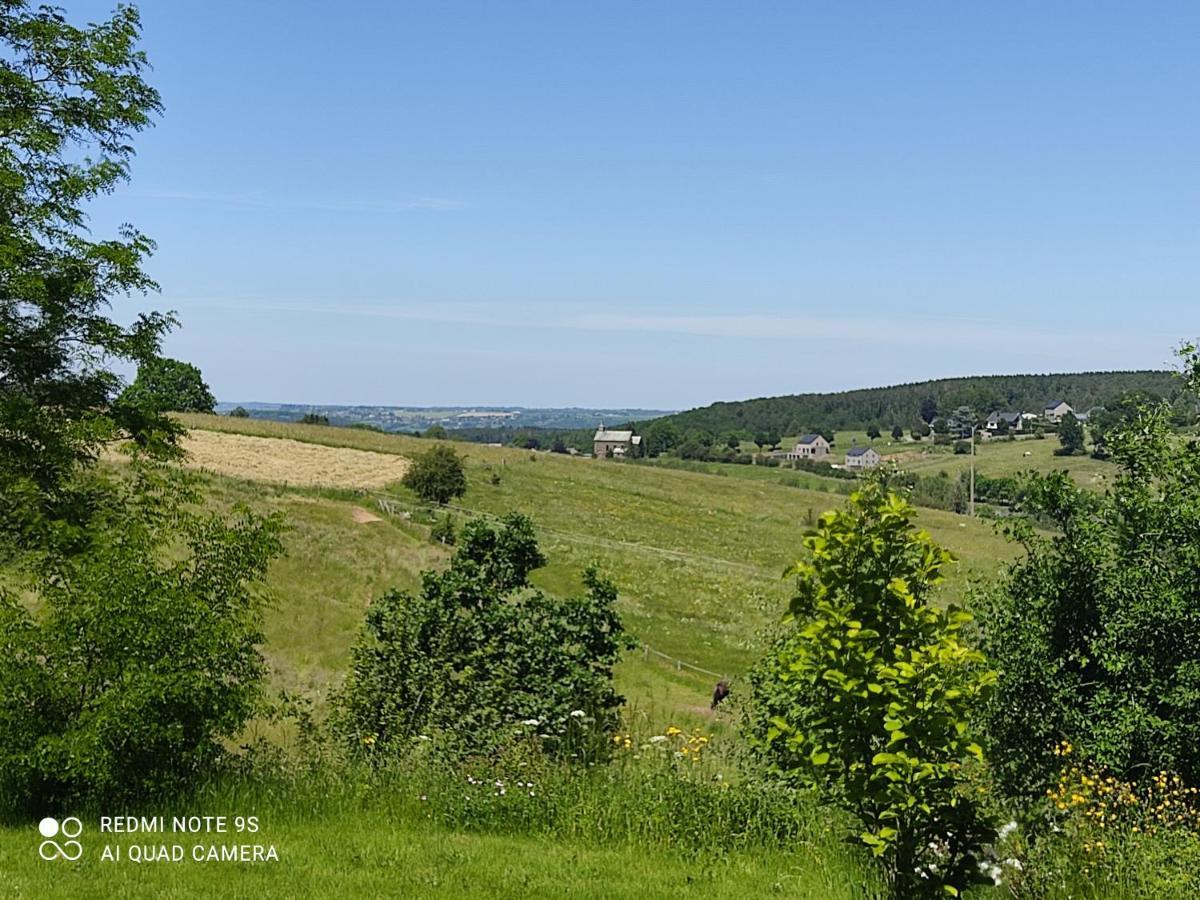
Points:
(697, 557)
(901, 404)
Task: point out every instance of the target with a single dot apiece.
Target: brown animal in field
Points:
(720, 692)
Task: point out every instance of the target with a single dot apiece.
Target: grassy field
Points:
(697, 558)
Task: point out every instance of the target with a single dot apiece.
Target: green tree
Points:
(168, 385)
(438, 475)
(72, 100)
(1070, 436)
(140, 661)
(867, 696)
(314, 419)
(897, 433)
(1095, 630)
(928, 410)
(874, 433)
(435, 433)
(479, 652)
(240, 412)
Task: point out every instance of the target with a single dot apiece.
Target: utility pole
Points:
(971, 501)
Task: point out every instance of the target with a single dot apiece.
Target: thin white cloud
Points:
(260, 201)
(990, 339)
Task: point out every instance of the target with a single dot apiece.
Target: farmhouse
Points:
(1056, 410)
(1014, 421)
(862, 458)
(608, 442)
(810, 446)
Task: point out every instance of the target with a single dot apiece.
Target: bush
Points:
(239, 412)
(1095, 630)
(314, 419)
(866, 698)
(142, 659)
(479, 655)
(961, 447)
(438, 475)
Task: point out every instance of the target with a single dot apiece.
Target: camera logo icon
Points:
(69, 849)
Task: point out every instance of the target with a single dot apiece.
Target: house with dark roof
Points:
(810, 446)
(862, 458)
(1055, 410)
(1014, 421)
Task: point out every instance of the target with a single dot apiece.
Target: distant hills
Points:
(901, 404)
(501, 419)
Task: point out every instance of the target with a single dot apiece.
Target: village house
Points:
(810, 446)
(1056, 410)
(1014, 421)
(608, 442)
(862, 458)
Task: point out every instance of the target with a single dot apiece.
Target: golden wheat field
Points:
(285, 461)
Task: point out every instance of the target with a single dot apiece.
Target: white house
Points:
(1056, 409)
(1014, 420)
(810, 446)
(862, 458)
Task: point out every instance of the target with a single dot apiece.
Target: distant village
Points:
(609, 443)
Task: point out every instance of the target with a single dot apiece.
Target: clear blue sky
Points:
(665, 204)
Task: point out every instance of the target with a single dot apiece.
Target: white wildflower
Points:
(1007, 829)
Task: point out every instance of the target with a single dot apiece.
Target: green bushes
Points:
(478, 655)
(867, 698)
(141, 658)
(1097, 630)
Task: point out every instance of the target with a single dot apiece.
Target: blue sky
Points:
(664, 204)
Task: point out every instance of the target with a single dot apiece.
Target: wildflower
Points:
(657, 739)
(531, 722)
(1007, 829)
(577, 714)
(672, 731)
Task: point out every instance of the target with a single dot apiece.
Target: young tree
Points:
(478, 652)
(897, 433)
(72, 100)
(867, 696)
(874, 433)
(141, 660)
(239, 412)
(168, 385)
(438, 475)
(1070, 436)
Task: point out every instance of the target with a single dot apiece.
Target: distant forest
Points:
(906, 404)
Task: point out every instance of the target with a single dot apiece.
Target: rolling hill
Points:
(901, 404)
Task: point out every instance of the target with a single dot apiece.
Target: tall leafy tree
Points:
(70, 101)
(168, 384)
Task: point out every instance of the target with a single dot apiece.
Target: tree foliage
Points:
(438, 475)
(169, 385)
(478, 652)
(141, 659)
(72, 100)
(867, 697)
(1070, 436)
(1096, 629)
(858, 409)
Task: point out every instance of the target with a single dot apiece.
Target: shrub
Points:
(141, 660)
(478, 652)
(961, 447)
(240, 412)
(1095, 629)
(314, 419)
(866, 698)
(438, 475)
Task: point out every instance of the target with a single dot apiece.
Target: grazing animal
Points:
(720, 692)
